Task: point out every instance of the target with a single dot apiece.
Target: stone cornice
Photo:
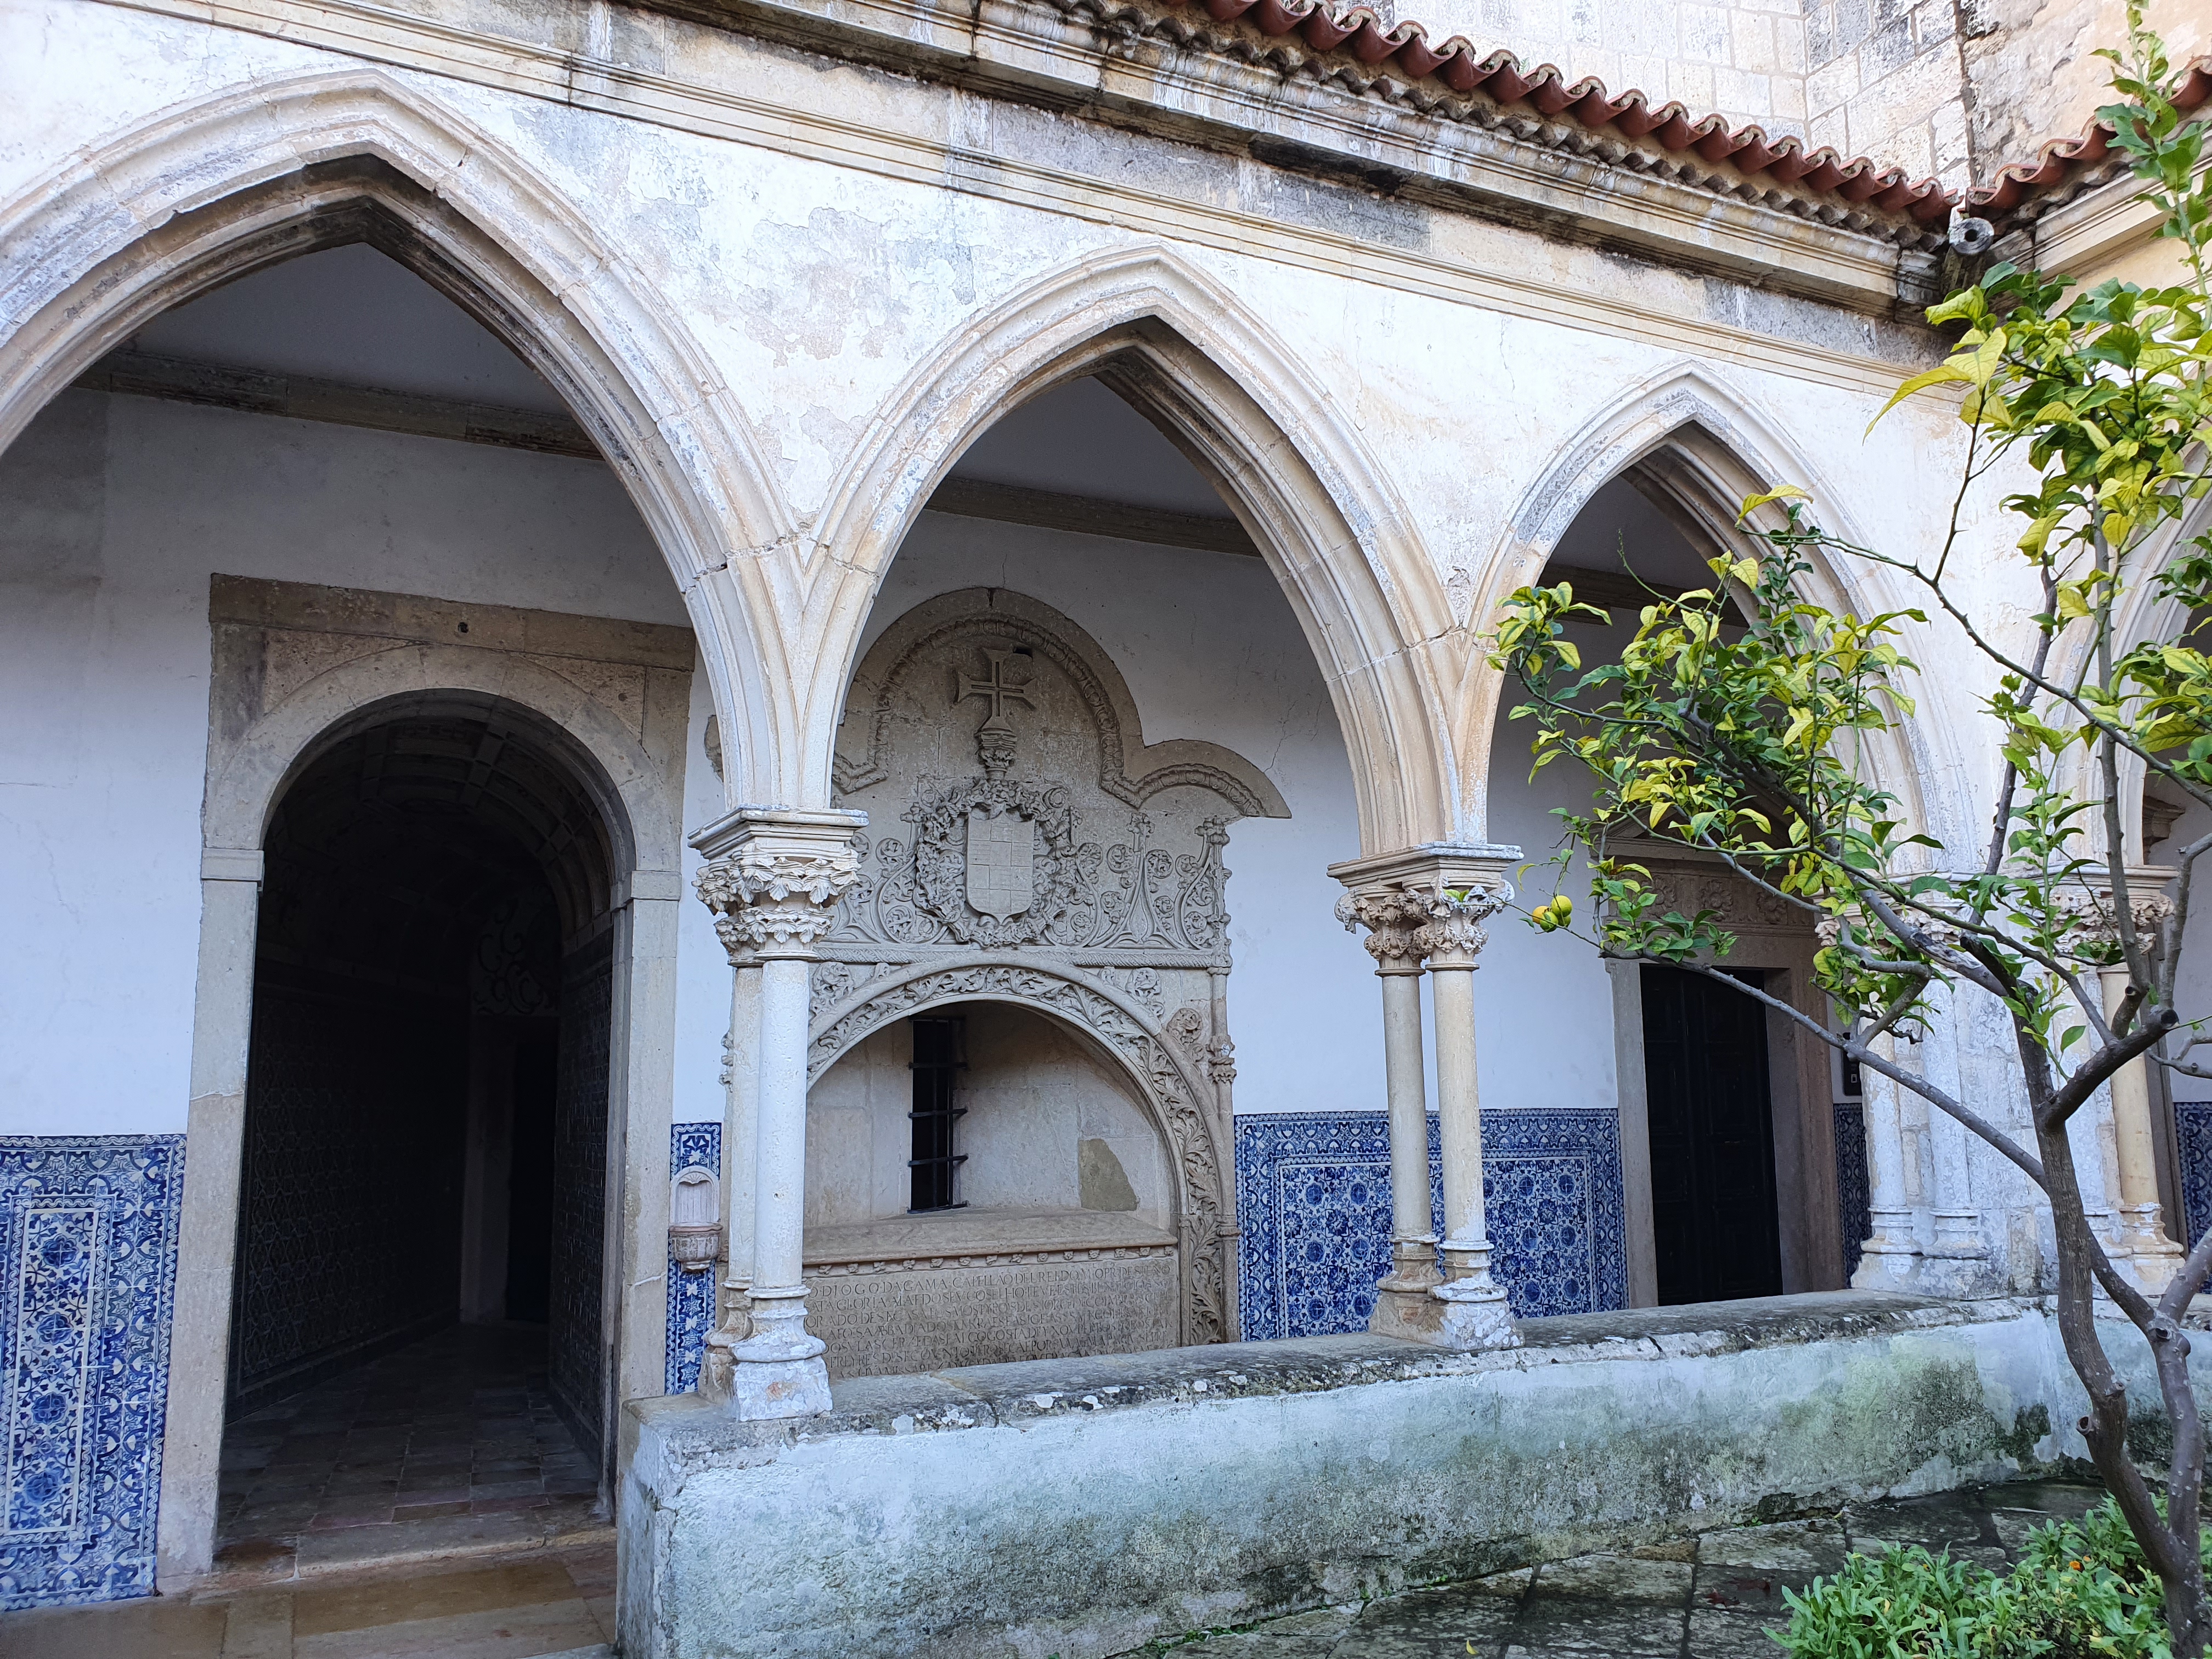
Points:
(1380, 149)
(1172, 76)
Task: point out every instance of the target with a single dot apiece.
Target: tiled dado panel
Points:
(1854, 1219)
(87, 1272)
(2192, 1132)
(690, 1295)
(1313, 1195)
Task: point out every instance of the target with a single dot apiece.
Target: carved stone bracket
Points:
(774, 878)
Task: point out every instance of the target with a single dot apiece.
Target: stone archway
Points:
(1170, 339)
(207, 191)
(1162, 1056)
(1700, 450)
(298, 669)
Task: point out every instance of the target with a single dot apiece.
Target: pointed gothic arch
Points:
(1176, 344)
(2145, 614)
(1697, 449)
(210, 190)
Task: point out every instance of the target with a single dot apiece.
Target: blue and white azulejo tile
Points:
(88, 1251)
(690, 1295)
(1313, 1203)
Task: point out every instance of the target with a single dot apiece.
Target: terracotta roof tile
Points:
(2058, 161)
(1857, 183)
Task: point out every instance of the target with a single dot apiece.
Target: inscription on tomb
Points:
(888, 1319)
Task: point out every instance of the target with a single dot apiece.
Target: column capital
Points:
(2149, 906)
(1453, 936)
(773, 877)
(1393, 920)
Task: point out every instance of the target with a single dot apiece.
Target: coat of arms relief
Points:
(1049, 841)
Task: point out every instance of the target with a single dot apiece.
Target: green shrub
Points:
(2082, 1591)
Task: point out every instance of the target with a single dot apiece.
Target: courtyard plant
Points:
(2081, 1588)
(1742, 720)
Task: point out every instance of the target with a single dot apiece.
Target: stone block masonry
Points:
(1083, 1507)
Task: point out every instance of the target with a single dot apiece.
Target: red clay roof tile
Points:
(1406, 48)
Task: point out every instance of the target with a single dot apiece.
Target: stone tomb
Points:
(953, 1289)
(1037, 873)
(1063, 1244)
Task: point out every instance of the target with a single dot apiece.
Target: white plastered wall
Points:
(1033, 1092)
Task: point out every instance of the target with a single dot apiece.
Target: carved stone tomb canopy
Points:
(1027, 846)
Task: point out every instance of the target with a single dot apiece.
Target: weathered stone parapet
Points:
(1260, 1477)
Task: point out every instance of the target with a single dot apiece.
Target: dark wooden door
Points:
(1712, 1140)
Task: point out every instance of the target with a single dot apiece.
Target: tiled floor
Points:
(552, 1601)
(1715, 1596)
(447, 1446)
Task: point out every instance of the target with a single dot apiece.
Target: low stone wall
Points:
(1082, 1507)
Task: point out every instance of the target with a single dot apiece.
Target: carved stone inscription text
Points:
(891, 1322)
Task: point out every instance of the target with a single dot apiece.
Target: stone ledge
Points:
(1085, 1507)
(1009, 1396)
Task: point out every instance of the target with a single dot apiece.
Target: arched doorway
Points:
(419, 1301)
(1727, 1115)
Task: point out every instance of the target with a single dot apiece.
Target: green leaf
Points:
(1942, 375)
(1788, 492)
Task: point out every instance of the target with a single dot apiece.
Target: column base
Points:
(1473, 1313)
(777, 1371)
(760, 1389)
(1959, 1273)
(2143, 1252)
(1887, 1267)
(1403, 1308)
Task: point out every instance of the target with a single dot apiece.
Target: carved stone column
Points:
(1475, 1314)
(740, 1142)
(773, 879)
(1402, 1305)
(1221, 1068)
(2141, 1247)
(1891, 1259)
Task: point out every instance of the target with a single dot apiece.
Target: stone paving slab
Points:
(1716, 1595)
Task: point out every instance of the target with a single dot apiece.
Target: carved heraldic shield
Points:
(1001, 861)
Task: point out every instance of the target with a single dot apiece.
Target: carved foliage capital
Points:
(777, 894)
(1392, 919)
(2097, 918)
(1453, 932)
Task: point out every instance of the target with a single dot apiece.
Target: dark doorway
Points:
(1711, 1110)
(426, 1105)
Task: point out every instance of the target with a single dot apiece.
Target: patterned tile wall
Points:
(690, 1295)
(1854, 1219)
(87, 1272)
(1313, 1193)
(2192, 1125)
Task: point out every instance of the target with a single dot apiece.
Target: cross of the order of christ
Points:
(995, 686)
